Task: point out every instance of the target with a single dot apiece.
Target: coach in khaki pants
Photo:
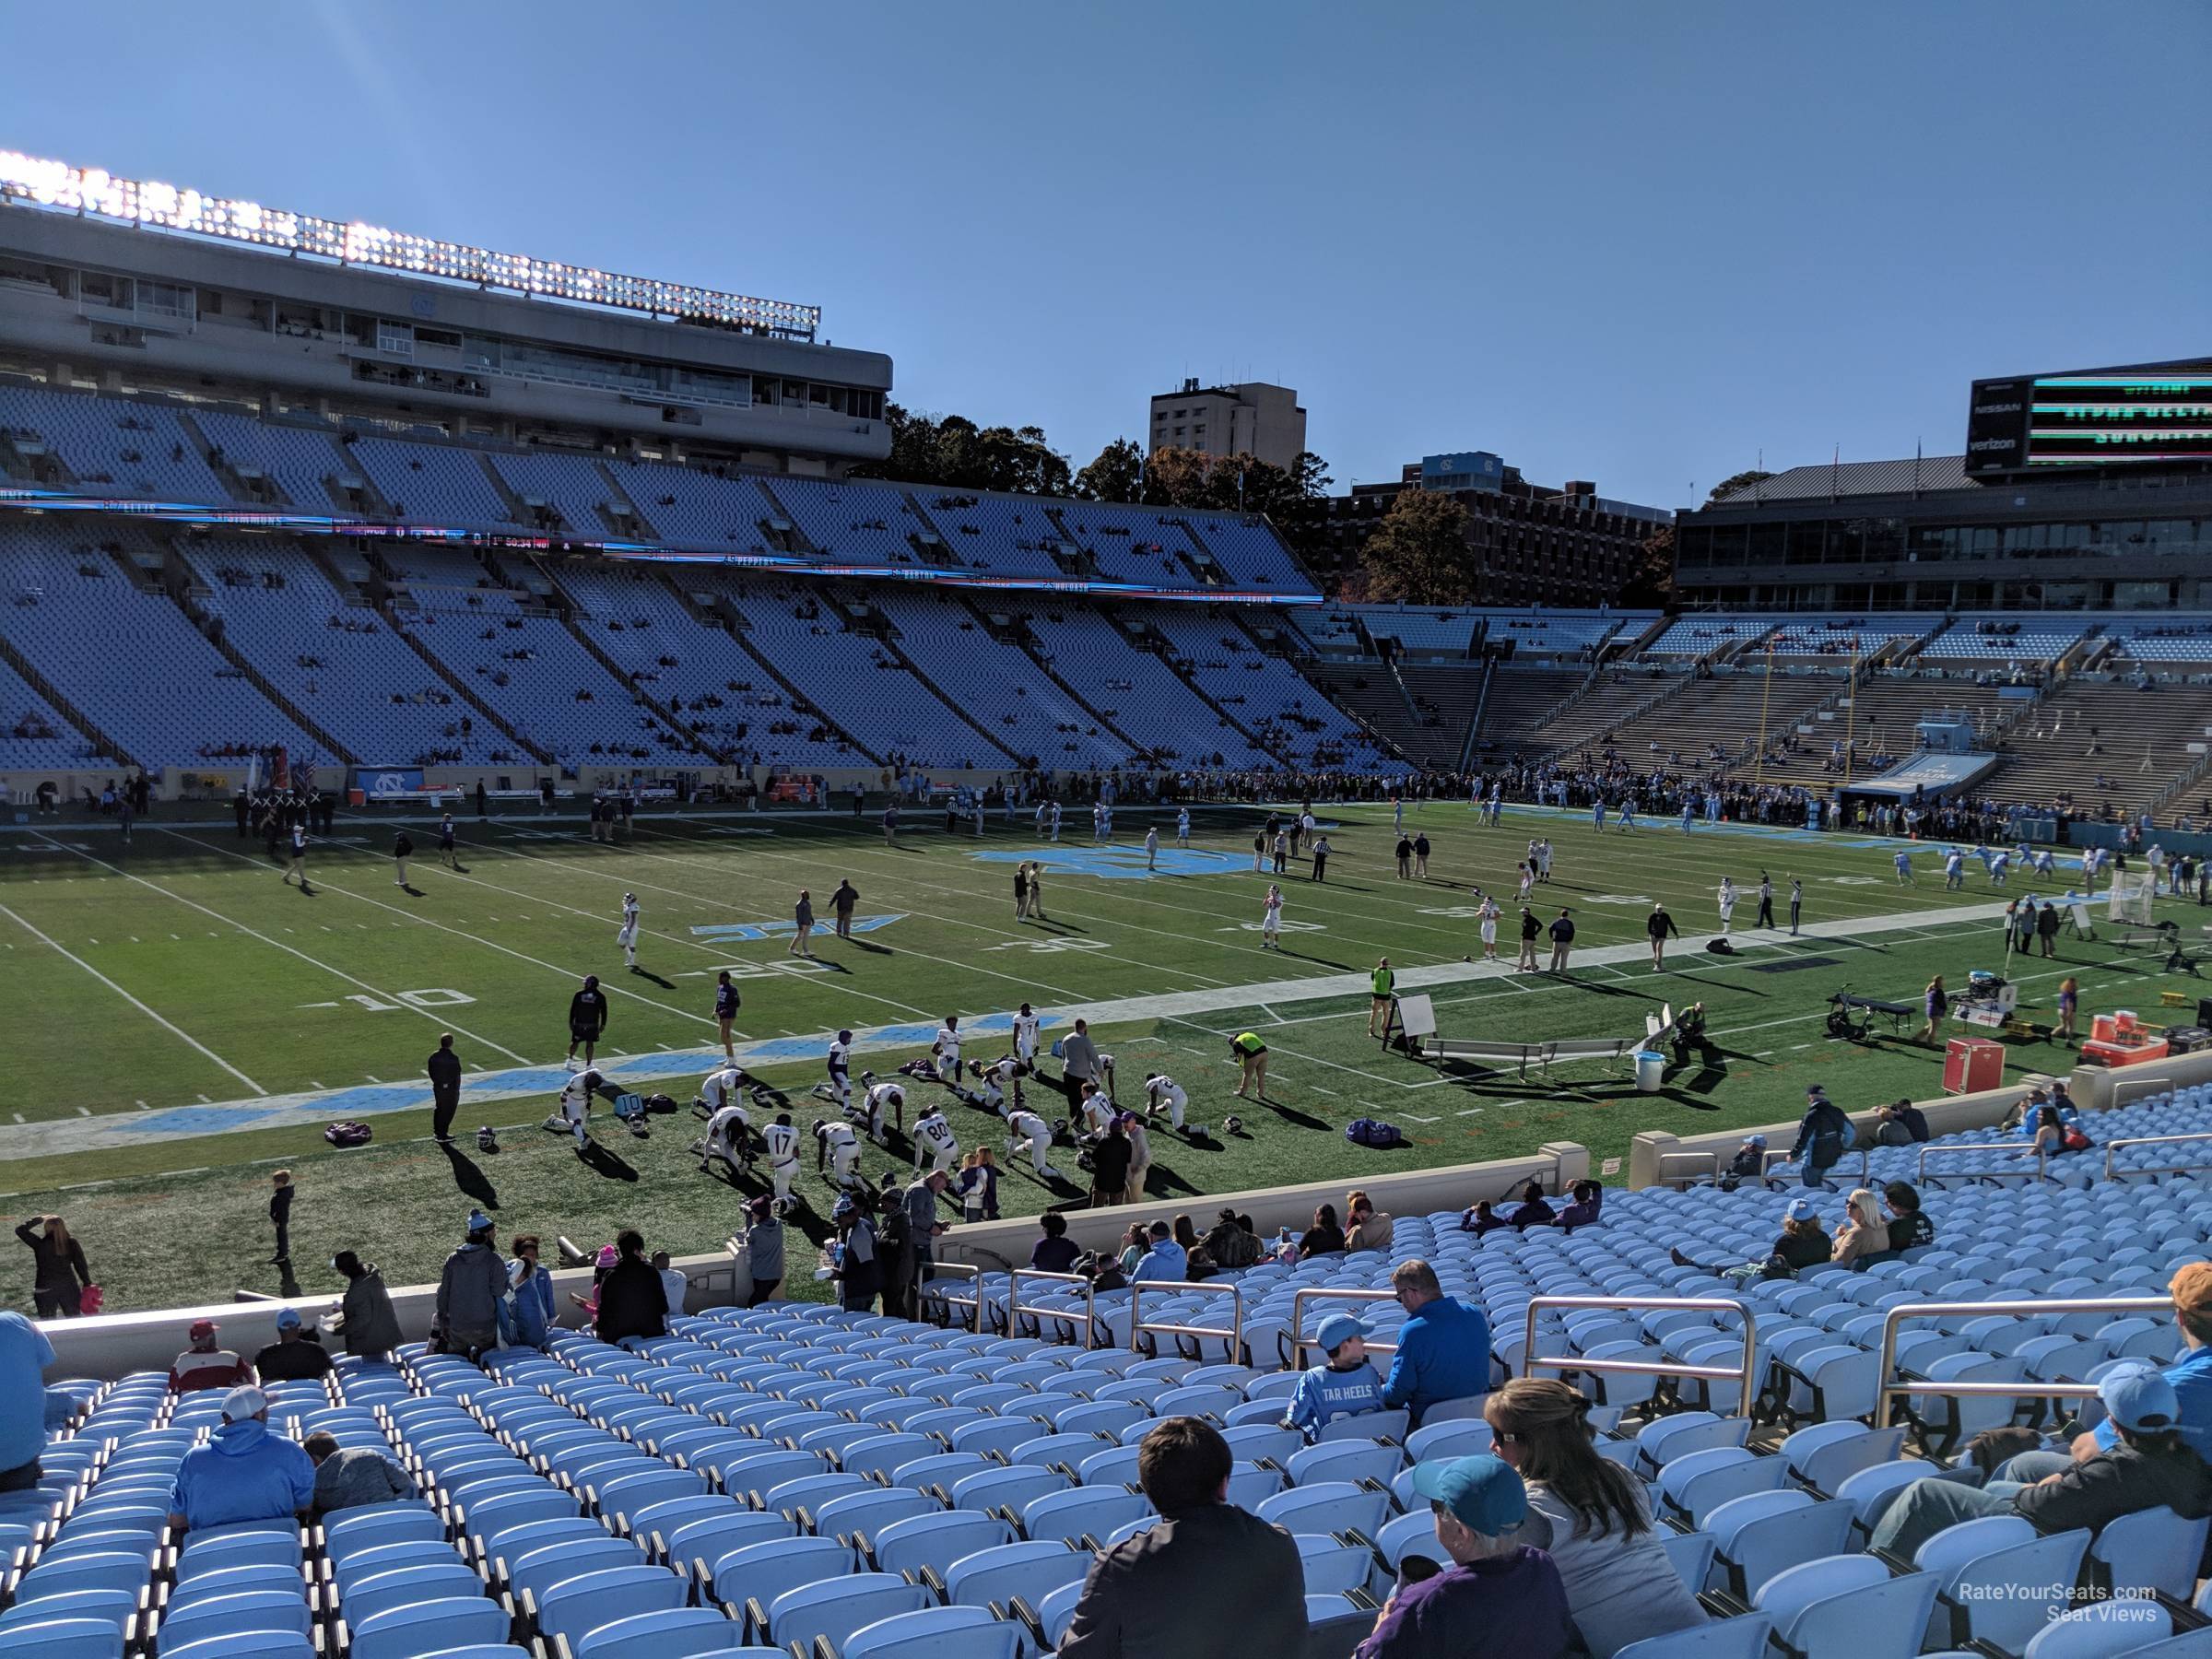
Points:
(1562, 941)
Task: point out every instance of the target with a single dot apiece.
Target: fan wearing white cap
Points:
(244, 1473)
(2148, 1467)
(1347, 1385)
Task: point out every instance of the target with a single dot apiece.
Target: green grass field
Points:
(153, 986)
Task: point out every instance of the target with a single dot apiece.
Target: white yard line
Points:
(168, 1025)
(437, 1017)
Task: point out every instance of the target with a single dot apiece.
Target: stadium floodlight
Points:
(56, 184)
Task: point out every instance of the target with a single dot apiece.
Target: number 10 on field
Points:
(435, 996)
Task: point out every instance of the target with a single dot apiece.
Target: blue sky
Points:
(1638, 244)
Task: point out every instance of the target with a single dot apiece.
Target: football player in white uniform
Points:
(1163, 1093)
(1097, 1107)
(1000, 1080)
(574, 1112)
(889, 1096)
(935, 1147)
(1182, 826)
(837, 1149)
(947, 1048)
(1025, 1035)
(720, 1088)
(1027, 1131)
(724, 1138)
(628, 935)
(781, 1142)
(840, 1061)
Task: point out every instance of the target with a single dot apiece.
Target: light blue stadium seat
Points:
(2004, 1596)
(867, 1513)
(93, 1570)
(1326, 1506)
(749, 1579)
(61, 1639)
(412, 1630)
(255, 1644)
(673, 1633)
(530, 1574)
(1333, 1567)
(935, 1633)
(1348, 1460)
(2153, 1548)
(936, 1540)
(1849, 1607)
(1069, 1516)
(1030, 1570)
(117, 1608)
(577, 1606)
(831, 1611)
(405, 1586)
(255, 1610)
(1763, 1534)
(1744, 1637)
(2123, 1625)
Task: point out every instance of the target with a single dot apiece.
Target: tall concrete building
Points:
(1256, 419)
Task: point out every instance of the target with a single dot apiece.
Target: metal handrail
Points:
(1139, 1326)
(2024, 1388)
(1653, 1368)
(2018, 1149)
(973, 1300)
(2150, 1140)
(1299, 1343)
(1014, 1302)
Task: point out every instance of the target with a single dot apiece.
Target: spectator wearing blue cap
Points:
(244, 1473)
(1346, 1386)
(1444, 1347)
(471, 1289)
(2148, 1467)
(1498, 1598)
(24, 1356)
(1804, 1243)
(1749, 1162)
(295, 1356)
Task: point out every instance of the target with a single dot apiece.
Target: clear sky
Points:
(1629, 242)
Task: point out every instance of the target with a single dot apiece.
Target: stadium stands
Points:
(2165, 640)
(1517, 698)
(1137, 691)
(791, 1471)
(2099, 742)
(128, 657)
(338, 661)
(1016, 700)
(571, 485)
(1706, 635)
(1266, 693)
(1726, 712)
(105, 445)
(1416, 632)
(32, 735)
(302, 464)
(1565, 635)
(2008, 638)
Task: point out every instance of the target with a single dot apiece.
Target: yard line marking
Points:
(1411, 1118)
(1470, 1111)
(311, 1083)
(435, 1016)
(1316, 1088)
(372, 1077)
(140, 1104)
(84, 1111)
(205, 1101)
(166, 1025)
(1765, 1055)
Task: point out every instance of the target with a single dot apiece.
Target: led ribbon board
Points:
(56, 184)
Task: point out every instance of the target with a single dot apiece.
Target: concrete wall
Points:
(113, 1344)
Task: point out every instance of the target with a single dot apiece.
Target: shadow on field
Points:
(648, 975)
(601, 1161)
(468, 1175)
(1291, 1115)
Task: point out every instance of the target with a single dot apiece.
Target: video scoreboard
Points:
(2092, 418)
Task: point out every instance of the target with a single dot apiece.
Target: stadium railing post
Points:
(1139, 1327)
(2024, 1388)
(1015, 1306)
(1567, 1363)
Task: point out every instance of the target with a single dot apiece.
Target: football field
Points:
(182, 1022)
